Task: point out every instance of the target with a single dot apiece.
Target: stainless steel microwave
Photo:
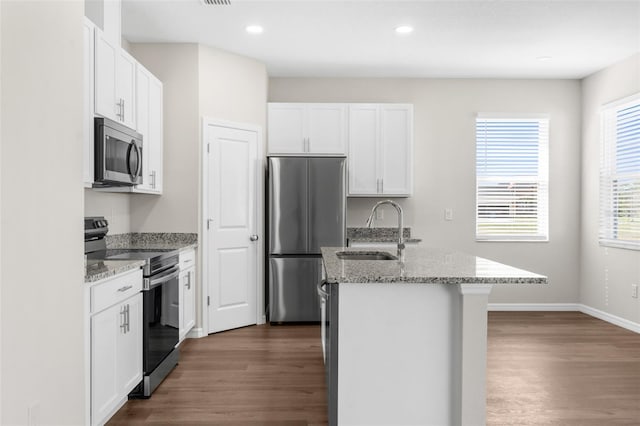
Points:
(118, 154)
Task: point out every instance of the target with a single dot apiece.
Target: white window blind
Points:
(620, 174)
(512, 178)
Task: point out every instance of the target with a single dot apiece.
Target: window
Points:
(512, 178)
(620, 174)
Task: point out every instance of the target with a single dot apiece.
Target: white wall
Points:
(444, 166)
(41, 248)
(606, 273)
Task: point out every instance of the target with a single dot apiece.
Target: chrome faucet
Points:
(400, 222)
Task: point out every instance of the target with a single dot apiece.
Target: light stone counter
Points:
(423, 265)
(406, 340)
(152, 240)
(97, 270)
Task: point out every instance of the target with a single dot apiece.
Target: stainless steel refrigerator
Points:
(307, 210)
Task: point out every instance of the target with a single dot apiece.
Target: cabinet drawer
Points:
(115, 290)
(187, 259)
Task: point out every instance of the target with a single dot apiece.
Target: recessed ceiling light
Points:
(544, 58)
(254, 29)
(404, 29)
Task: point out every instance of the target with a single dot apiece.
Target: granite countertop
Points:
(97, 270)
(152, 240)
(423, 265)
(379, 235)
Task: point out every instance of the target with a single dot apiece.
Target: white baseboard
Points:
(196, 333)
(613, 319)
(534, 307)
(577, 307)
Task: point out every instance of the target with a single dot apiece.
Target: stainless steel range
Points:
(160, 302)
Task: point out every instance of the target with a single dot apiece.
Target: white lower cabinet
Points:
(116, 343)
(187, 292)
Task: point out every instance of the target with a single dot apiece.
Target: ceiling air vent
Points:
(215, 2)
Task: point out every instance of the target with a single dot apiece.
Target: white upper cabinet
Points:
(380, 150)
(307, 129)
(149, 123)
(119, 88)
(115, 72)
(88, 111)
(126, 89)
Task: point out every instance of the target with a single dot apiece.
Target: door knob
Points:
(253, 237)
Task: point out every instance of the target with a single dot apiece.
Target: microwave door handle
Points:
(134, 174)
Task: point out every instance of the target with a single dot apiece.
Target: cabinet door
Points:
(87, 118)
(188, 305)
(326, 128)
(106, 55)
(396, 143)
(286, 129)
(125, 88)
(142, 120)
(129, 357)
(106, 328)
(155, 138)
(149, 123)
(364, 122)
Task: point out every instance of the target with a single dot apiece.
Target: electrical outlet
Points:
(634, 291)
(448, 214)
(379, 214)
(33, 414)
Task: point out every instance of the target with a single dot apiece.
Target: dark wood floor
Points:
(561, 368)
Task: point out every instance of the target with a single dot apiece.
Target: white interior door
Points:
(232, 222)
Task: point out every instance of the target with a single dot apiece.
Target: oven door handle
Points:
(168, 275)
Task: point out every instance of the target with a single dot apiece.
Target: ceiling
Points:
(357, 38)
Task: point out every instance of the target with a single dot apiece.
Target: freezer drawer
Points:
(292, 289)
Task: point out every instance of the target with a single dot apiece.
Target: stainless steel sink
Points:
(365, 255)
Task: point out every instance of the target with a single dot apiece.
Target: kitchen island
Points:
(405, 339)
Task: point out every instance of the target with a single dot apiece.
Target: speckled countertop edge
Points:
(153, 240)
(379, 235)
(97, 270)
(424, 265)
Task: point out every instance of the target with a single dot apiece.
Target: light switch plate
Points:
(448, 214)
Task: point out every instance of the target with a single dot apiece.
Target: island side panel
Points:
(471, 355)
(395, 362)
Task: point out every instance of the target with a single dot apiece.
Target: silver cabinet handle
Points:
(153, 181)
(188, 284)
(123, 320)
(128, 318)
(125, 288)
(382, 186)
(308, 144)
(253, 237)
(123, 110)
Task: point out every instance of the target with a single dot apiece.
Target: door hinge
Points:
(208, 301)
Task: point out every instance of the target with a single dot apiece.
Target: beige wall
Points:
(444, 164)
(42, 253)
(115, 207)
(176, 65)
(232, 87)
(606, 273)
